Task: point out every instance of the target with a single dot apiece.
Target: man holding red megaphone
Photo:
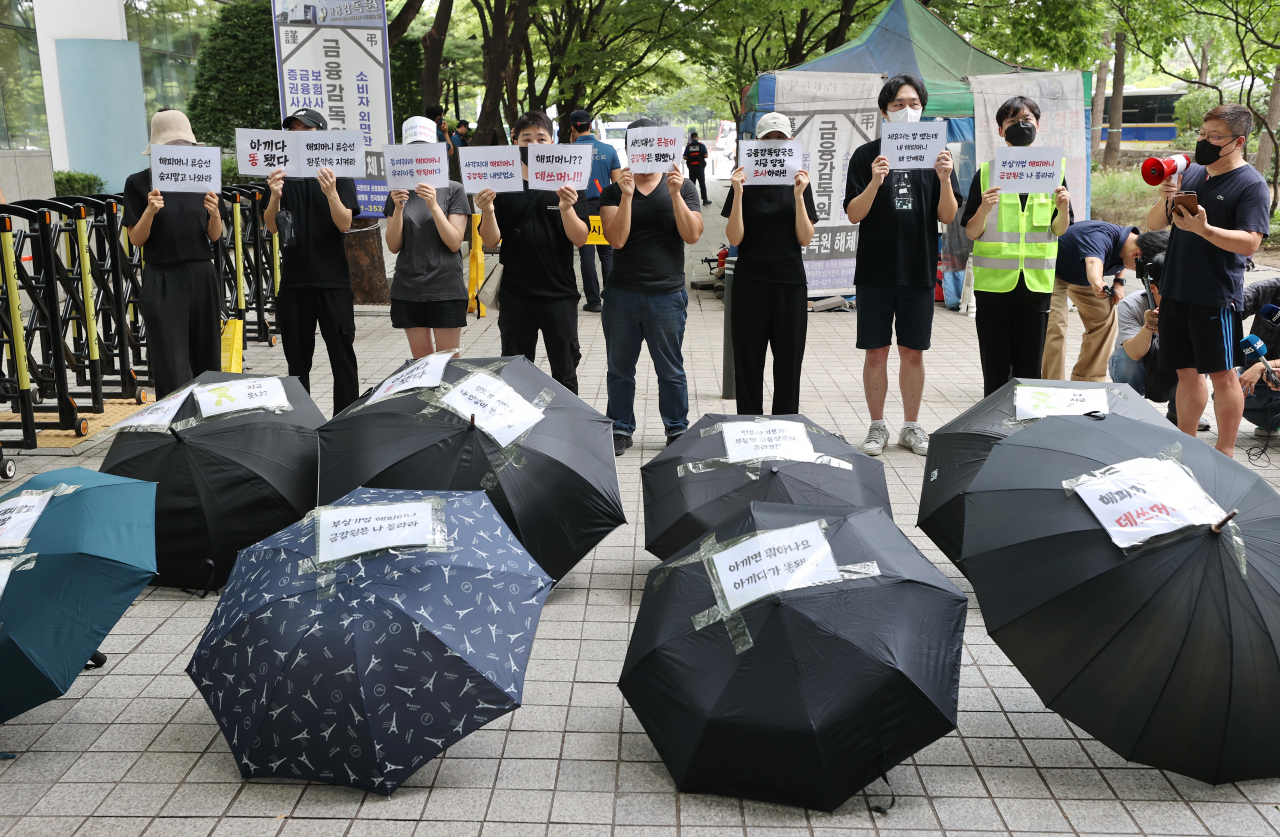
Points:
(1220, 209)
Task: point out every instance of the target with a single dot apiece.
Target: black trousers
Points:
(1011, 329)
(298, 312)
(521, 318)
(181, 306)
(698, 174)
(768, 314)
(590, 281)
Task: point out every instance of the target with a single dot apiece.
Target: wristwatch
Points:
(1118, 280)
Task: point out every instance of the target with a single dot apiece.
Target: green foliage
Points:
(235, 83)
(1048, 34)
(77, 183)
(406, 81)
(231, 175)
(1189, 111)
(1121, 196)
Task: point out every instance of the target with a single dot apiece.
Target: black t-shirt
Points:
(179, 231)
(318, 258)
(537, 255)
(898, 240)
(974, 201)
(769, 250)
(652, 261)
(1202, 273)
(1096, 239)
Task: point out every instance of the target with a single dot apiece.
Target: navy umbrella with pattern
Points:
(356, 645)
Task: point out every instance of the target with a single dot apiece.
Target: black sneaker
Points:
(593, 307)
(620, 443)
(672, 439)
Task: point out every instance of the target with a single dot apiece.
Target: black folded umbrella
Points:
(224, 481)
(1165, 652)
(958, 449)
(693, 485)
(806, 694)
(554, 482)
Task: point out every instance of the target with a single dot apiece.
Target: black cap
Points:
(581, 120)
(462, 123)
(307, 116)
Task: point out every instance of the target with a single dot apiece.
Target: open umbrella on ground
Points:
(722, 463)
(355, 646)
(1164, 651)
(234, 458)
(795, 655)
(499, 424)
(958, 448)
(77, 548)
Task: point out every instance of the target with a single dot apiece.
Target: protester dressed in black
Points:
(315, 283)
(181, 300)
(538, 230)
(770, 226)
(695, 157)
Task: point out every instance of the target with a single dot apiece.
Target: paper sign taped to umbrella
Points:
(554, 166)
(1027, 170)
(775, 560)
(19, 514)
(344, 531)
(500, 411)
(424, 372)
(745, 441)
(653, 149)
(341, 151)
(237, 396)
(160, 414)
(495, 167)
(186, 168)
(913, 145)
(262, 152)
(1037, 402)
(770, 162)
(1142, 498)
(422, 162)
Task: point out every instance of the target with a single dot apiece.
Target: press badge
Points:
(901, 184)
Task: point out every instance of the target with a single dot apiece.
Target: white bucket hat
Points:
(417, 129)
(771, 122)
(171, 127)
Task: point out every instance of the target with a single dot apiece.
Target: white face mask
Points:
(904, 115)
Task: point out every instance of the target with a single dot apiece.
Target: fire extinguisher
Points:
(721, 256)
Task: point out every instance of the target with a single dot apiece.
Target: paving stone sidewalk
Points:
(133, 750)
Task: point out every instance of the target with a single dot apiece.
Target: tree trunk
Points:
(397, 27)
(1266, 148)
(364, 256)
(1115, 121)
(840, 32)
(504, 39)
(1099, 103)
(1204, 60)
(433, 54)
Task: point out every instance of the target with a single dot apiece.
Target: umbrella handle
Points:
(1217, 527)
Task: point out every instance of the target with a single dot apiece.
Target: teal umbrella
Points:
(76, 548)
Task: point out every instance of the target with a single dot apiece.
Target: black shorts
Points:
(444, 313)
(906, 309)
(1198, 337)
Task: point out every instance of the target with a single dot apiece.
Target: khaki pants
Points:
(1099, 319)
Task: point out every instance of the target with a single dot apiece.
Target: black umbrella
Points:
(958, 449)
(697, 482)
(551, 476)
(806, 695)
(224, 480)
(1165, 652)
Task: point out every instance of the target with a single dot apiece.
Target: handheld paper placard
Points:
(341, 151)
(913, 145)
(424, 372)
(770, 162)
(422, 162)
(653, 149)
(495, 167)
(262, 152)
(554, 166)
(1037, 402)
(1027, 170)
(186, 168)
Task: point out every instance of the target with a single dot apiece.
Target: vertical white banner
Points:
(831, 114)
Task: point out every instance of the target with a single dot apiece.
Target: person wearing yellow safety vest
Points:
(1015, 249)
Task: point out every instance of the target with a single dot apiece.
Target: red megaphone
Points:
(1156, 169)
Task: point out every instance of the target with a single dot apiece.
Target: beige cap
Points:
(771, 122)
(171, 127)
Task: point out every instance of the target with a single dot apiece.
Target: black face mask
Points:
(1024, 133)
(524, 154)
(1207, 153)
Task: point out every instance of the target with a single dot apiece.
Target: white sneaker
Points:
(914, 438)
(1264, 433)
(877, 438)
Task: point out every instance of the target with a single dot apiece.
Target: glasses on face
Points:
(1216, 139)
